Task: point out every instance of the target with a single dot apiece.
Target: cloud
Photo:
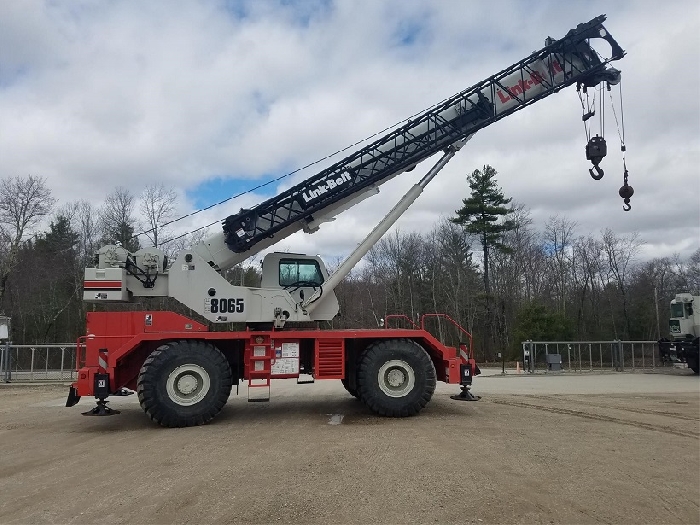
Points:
(213, 96)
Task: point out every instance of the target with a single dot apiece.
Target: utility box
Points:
(4, 328)
(527, 362)
(554, 362)
(5, 356)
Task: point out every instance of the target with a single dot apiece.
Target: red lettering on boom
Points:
(522, 86)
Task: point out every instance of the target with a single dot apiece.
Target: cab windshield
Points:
(677, 310)
(293, 272)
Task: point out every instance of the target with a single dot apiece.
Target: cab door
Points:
(300, 277)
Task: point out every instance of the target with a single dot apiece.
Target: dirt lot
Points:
(606, 448)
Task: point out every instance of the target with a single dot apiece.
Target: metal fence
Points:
(37, 362)
(595, 355)
(57, 361)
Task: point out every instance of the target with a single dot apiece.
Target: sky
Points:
(213, 98)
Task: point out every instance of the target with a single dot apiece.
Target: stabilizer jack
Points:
(102, 410)
(465, 395)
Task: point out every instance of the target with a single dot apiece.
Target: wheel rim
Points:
(188, 384)
(396, 378)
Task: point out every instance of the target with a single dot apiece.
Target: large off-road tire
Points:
(396, 378)
(346, 385)
(693, 365)
(184, 383)
(693, 362)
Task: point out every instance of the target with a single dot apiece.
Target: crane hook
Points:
(596, 150)
(626, 192)
(599, 171)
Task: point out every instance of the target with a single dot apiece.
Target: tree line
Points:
(487, 267)
(41, 267)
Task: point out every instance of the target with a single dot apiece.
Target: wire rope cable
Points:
(277, 179)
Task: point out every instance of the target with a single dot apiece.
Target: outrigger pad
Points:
(465, 395)
(102, 410)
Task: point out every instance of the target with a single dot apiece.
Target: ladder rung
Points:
(252, 385)
(305, 380)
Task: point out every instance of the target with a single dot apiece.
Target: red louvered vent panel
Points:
(330, 359)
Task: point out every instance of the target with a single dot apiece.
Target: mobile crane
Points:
(684, 328)
(183, 371)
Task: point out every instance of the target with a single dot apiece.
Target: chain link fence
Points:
(54, 362)
(592, 355)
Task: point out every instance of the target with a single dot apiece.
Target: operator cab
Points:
(300, 275)
(682, 317)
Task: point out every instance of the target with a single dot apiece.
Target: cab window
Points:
(677, 310)
(295, 271)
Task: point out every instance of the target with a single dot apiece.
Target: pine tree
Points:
(479, 216)
(60, 239)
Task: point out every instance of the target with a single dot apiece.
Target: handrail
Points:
(399, 316)
(455, 323)
(81, 344)
(80, 348)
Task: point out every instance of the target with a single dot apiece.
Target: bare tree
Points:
(457, 284)
(84, 222)
(85, 225)
(694, 272)
(686, 273)
(117, 221)
(157, 207)
(558, 238)
(620, 252)
(24, 201)
(172, 246)
(587, 269)
(397, 262)
(528, 253)
(511, 280)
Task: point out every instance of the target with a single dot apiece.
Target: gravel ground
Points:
(589, 448)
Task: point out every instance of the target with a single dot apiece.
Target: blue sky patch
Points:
(12, 75)
(299, 12)
(218, 189)
(408, 32)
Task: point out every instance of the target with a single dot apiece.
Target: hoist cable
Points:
(586, 108)
(271, 181)
(601, 98)
(583, 114)
(619, 123)
(622, 114)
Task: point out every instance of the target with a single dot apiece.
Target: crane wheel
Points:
(693, 365)
(184, 383)
(346, 385)
(396, 378)
(695, 360)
